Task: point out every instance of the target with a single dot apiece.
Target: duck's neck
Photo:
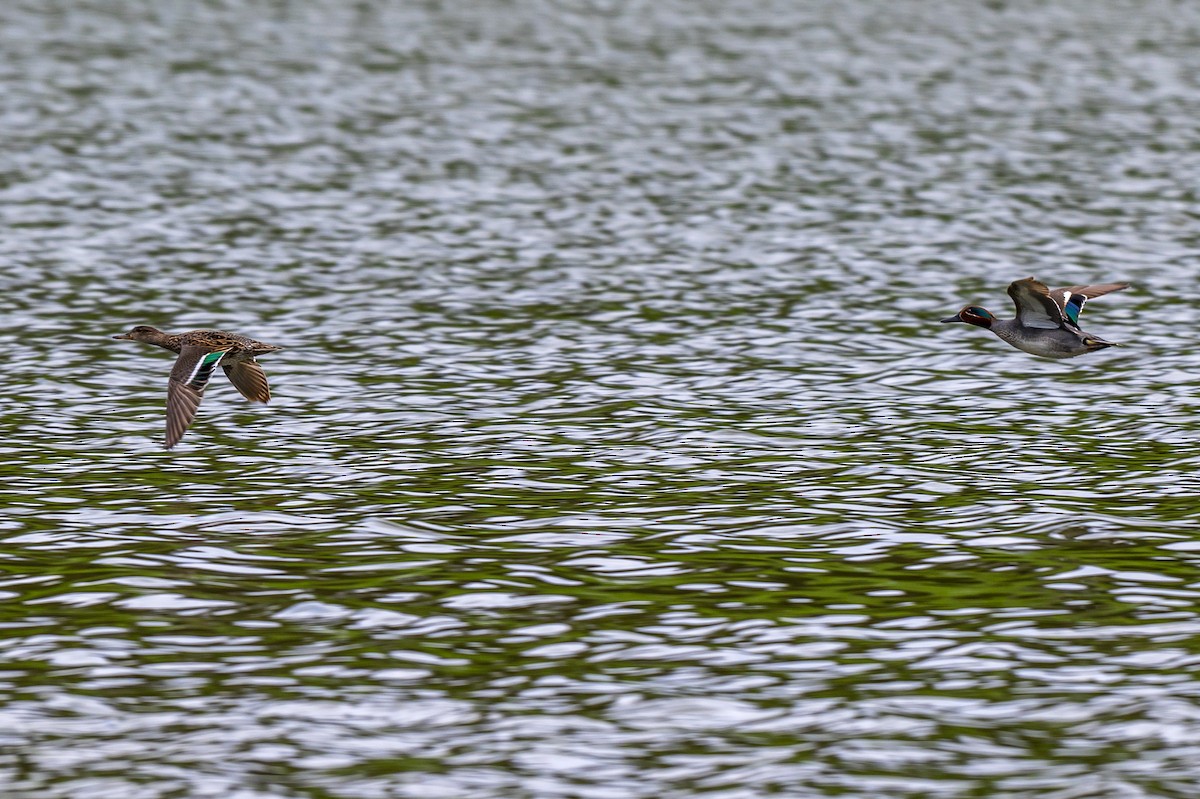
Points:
(168, 341)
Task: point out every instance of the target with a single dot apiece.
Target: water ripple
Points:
(615, 449)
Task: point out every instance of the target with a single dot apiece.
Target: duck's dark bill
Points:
(951, 319)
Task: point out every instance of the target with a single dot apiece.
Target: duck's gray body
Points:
(1047, 321)
(1064, 343)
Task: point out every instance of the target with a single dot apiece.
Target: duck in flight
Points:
(199, 353)
(1047, 321)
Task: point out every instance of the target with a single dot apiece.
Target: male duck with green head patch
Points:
(1047, 322)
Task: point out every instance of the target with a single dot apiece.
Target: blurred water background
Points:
(616, 451)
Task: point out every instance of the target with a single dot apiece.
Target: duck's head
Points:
(973, 315)
(141, 333)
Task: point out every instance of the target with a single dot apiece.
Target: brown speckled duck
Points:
(199, 353)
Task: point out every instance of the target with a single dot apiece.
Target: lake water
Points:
(616, 451)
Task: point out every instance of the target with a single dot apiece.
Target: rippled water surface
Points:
(615, 450)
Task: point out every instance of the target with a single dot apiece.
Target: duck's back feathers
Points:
(214, 340)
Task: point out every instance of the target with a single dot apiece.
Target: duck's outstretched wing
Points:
(191, 374)
(1072, 298)
(248, 378)
(1092, 292)
(1035, 307)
